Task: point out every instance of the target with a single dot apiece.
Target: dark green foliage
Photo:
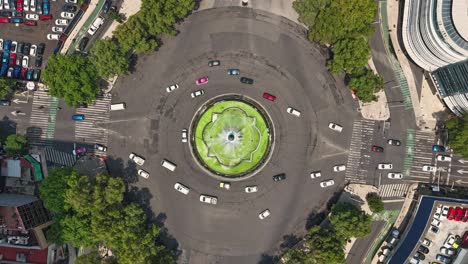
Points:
(458, 135)
(325, 246)
(375, 203)
(349, 222)
(16, 145)
(134, 35)
(350, 56)
(52, 190)
(366, 85)
(6, 87)
(109, 58)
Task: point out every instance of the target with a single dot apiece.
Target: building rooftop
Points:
(11, 199)
(460, 16)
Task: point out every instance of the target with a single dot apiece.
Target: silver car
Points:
(266, 213)
(172, 88)
(251, 189)
(184, 135)
(208, 199)
(181, 188)
(143, 173)
(197, 93)
(315, 174)
(385, 166)
(137, 159)
(338, 168)
(293, 111)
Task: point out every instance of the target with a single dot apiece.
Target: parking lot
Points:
(441, 234)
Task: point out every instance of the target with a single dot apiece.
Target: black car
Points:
(279, 177)
(20, 47)
(38, 62)
(40, 49)
(39, 7)
(5, 102)
(214, 63)
(394, 142)
(36, 75)
(17, 14)
(106, 6)
(419, 255)
(423, 249)
(27, 47)
(6, 13)
(83, 43)
(69, 8)
(246, 80)
(13, 46)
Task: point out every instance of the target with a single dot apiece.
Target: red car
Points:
(459, 214)
(12, 58)
(465, 215)
(30, 23)
(269, 97)
(23, 73)
(451, 214)
(79, 151)
(377, 149)
(19, 5)
(201, 80)
(45, 17)
(4, 20)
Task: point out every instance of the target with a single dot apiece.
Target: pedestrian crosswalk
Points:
(358, 160)
(417, 154)
(56, 157)
(90, 130)
(393, 190)
(42, 121)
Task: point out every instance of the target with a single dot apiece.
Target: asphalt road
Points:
(275, 53)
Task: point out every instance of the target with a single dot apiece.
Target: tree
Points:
(160, 16)
(134, 35)
(53, 187)
(54, 233)
(71, 77)
(340, 19)
(375, 203)
(350, 55)
(325, 246)
(308, 10)
(458, 134)
(77, 230)
(349, 222)
(16, 145)
(366, 85)
(109, 58)
(297, 256)
(6, 86)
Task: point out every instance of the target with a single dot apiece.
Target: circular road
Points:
(276, 54)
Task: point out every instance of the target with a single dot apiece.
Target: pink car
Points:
(201, 80)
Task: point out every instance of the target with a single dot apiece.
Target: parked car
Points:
(36, 75)
(69, 8)
(83, 43)
(377, 149)
(79, 151)
(100, 147)
(106, 6)
(429, 168)
(38, 62)
(172, 87)
(338, 168)
(4, 20)
(10, 72)
(53, 36)
(447, 251)
(419, 255)
(233, 71)
(315, 174)
(385, 166)
(30, 23)
(13, 47)
(67, 15)
(16, 20)
(201, 80)
(214, 63)
(435, 222)
(57, 29)
(29, 74)
(143, 173)
(46, 17)
(40, 49)
(327, 183)
(335, 127)
(458, 214)
(264, 214)
(426, 242)
(197, 93)
(251, 189)
(443, 158)
(449, 241)
(181, 188)
(32, 5)
(20, 47)
(5, 102)
(19, 60)
(33, 50)
(293, 111)
(423, 249)
(61, 22)
(97, 23)
(246, 80)
(438, 148)
(394, 142)
(32, 17)
(137, 159)
(25, 62)
(26, 48)
(269, 97)
(445, 210)
(208, 199)
(71, 1)
(279, 177)
(16, 72)
(395, 175)
(443, 259)
(78, 117)
(434, 229)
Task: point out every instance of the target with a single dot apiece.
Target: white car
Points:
(137, 159)
(181, 188)
(335, 127)
(6, 4)
(100, 147)
(32, 17)
(435, 222)
(26, 7)
(184, 135)
(197, 93)
(172, 88)
(443, 158)
(448, 243)
(143, 173)
(71, 1)
(33, 50)
(225, 185)
(338, 168)
(67, 15)
(429, 168)
(208, 199)
(32, 5)
(53, 36)
(264, 214)
(385, 166)
(293, 112)
(315, 174)
(447, 251)
(61, 22)
(1, 40)
(14, 47)
(25, 62)
(96, 25)
(251, 189)
(395, 175)
(426, 242)
(327, 183)
(445, 210)
(57, 29)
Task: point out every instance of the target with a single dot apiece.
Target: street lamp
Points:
(457, 181)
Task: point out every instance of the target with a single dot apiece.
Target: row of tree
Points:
(75, 78)
(345, 26)
(458, 134)
(326, 244)
(89, 211)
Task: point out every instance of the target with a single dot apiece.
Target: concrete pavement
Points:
(128, 8)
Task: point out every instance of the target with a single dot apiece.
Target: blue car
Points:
(7, 45)
(233, 71)
(6, 57)
(16, 20)
(438, 148)
(16, 72)
(78, 117)
(29, 74)
(45, 8)
(4, 69)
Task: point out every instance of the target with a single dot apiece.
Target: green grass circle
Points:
(218, 154)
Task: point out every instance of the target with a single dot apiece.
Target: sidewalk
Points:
(375, 110)
(128, 8)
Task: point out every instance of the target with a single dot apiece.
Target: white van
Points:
(119, 106)
(96, 25)
(168, 165)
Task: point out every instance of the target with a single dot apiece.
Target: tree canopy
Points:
(16, 145)
(375, 203)
(308, 10)
(134, 35)
(53, 187)
(366, 85)
(325, 245)
(71, 77)
(350, 55)
(6, 87)
(458, 134)
(349, 222)
(109, 58)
